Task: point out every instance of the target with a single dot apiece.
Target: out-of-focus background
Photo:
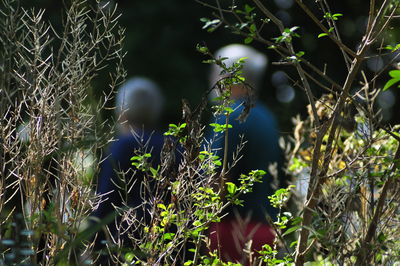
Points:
(161, 36)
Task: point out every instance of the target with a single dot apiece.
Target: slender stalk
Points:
(225, 162)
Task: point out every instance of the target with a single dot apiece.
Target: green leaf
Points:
(208, 23)
(231, 187)
(129, 256)
(322, 35)
(248, 9)
(392, 48)
(168, 236)
(202, 49)
(209, 61)
(291, 229)
(229, 110)
(253, 28)
(390, 83)
(395, 74)
(197, 223)
(172, 126)
(334, 16)
(153, 171)
(161, 206)
(242, 60)
(248, 40)
(296, 220)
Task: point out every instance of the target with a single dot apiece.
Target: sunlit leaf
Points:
(322, 35)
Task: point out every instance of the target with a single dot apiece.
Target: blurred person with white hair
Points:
(139, 104)
(260, 131)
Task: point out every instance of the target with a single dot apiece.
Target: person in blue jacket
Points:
(261, 134)
(139, 105)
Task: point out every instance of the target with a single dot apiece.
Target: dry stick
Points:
(318, 179)
(197, 250)
(320, 73)
(362, 255)
(374, 22)
(311, 201)
(382, 28)
(319, 84)
(371, 14)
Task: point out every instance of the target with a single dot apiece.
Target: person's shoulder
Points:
(139, 136)
(261, 111)
(122, 145)
(125, 145)
(155, 137)
(262, 108)
(124, 140)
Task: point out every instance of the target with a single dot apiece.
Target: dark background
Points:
(161, 36)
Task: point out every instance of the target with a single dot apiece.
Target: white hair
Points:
(140, 101)
(254, 66)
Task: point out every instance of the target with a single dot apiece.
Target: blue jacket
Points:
(118, 160)
(260, 130)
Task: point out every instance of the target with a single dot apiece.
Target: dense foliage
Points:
(344, 152)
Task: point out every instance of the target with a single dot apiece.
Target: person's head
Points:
(253, 69)
(139, 104)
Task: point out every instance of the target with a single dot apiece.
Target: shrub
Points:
(51, 133)
(49, 127)
(347, 155)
